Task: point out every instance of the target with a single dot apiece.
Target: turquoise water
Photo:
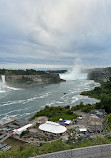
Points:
(24, 103)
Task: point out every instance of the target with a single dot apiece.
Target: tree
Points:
(107, 123)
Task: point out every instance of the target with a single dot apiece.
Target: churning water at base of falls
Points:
(24, 103)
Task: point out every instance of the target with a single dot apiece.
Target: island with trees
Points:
(29, 77)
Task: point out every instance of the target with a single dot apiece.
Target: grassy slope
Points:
(26, 152)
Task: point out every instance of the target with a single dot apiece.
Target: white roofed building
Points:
(20, 130)
(52, 127)
(83, 130)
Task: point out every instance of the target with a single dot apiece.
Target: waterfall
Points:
(2, 84)
(4, 87)
(75, 73)
(3, 80)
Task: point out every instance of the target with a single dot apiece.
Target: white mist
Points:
(75, 73)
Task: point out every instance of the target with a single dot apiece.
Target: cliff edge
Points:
(29, 77)
(100, 74)
(30, 80)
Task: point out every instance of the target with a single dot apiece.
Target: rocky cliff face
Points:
(100, 75)
(29, 80)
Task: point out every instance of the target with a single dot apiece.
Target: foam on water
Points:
(25, 101)
(74, 99)
(18, 110)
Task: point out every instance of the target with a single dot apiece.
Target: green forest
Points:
(55, 113)
(22, 72)
(102, 93)
(29, 72)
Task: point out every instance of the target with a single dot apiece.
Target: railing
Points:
(99, 151)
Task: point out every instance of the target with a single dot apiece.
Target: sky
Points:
(54, 34)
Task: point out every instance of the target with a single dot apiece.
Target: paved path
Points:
(85, 116)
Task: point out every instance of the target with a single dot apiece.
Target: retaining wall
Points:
(100, 151)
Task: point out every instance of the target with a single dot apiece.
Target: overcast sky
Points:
(54, 33)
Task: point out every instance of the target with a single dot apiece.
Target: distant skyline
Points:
(52, 34)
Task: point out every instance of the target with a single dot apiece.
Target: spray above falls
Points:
(4, 87)
(75, 73)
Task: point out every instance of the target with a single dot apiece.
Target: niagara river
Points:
(25, 102)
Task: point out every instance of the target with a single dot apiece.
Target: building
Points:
(22, 129)
(53, 128)
(99, 112)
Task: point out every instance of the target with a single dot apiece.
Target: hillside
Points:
(102, 93)
(100, 74)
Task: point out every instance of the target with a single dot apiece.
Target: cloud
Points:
(33, 66)
(55, 31)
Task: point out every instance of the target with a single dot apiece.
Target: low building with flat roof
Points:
(20, 130)
(52, 127)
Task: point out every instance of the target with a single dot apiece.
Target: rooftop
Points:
(52, 127)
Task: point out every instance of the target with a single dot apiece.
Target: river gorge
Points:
(25, 102)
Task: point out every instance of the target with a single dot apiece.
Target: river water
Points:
(25, 102)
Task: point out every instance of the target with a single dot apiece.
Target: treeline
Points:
(84, 107)
(22, 72)
(57, 71)
(55, 113)
(103, 93)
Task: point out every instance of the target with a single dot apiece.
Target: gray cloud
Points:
(56, 32)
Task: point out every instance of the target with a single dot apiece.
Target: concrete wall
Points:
(100, 151)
